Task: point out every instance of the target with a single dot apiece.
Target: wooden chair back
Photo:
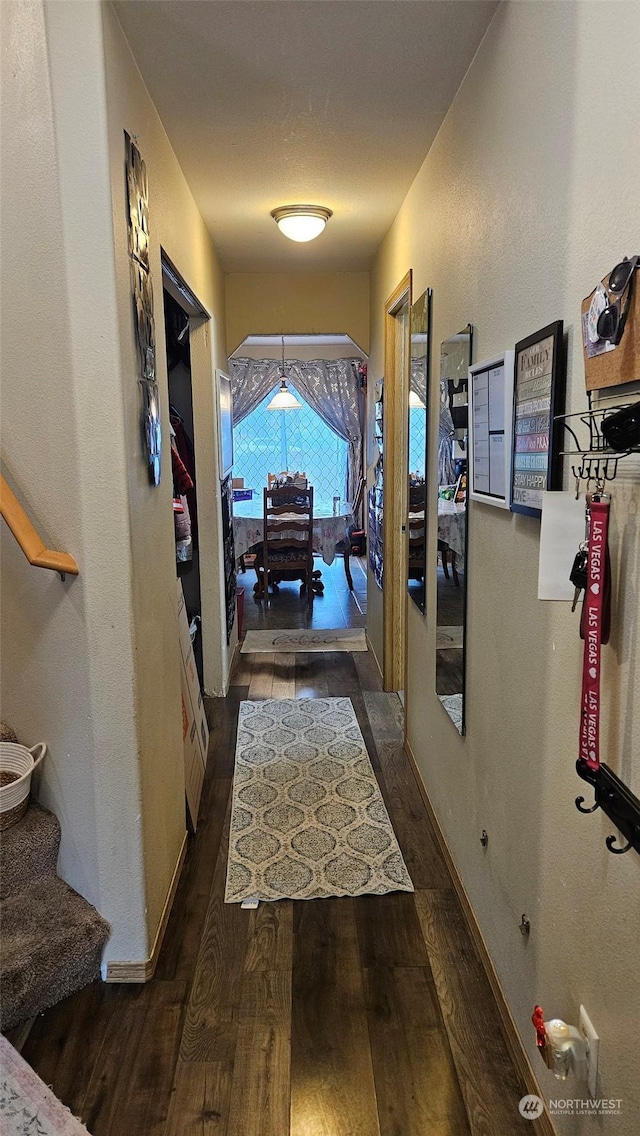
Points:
(288, 531)
(416, 526)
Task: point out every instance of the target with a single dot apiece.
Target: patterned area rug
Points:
(453, 705)
(342, 639)
(308, 820)
(27, 1106)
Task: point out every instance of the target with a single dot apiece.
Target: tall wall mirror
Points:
(417, 448)
(451, 574)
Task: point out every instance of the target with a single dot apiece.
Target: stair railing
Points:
(29, 538)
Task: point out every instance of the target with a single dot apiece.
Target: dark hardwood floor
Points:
(339, 1017)
(336, 607)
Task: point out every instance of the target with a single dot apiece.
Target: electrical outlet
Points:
(592, 1042)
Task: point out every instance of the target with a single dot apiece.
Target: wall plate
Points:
(592, 1042)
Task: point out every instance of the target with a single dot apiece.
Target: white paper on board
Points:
(498, 470)
(563, 528)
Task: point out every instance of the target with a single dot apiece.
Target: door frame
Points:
(394, 537)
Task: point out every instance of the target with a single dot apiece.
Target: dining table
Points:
(330, 531)
(452, 525)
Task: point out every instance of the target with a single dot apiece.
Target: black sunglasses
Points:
(611, 321)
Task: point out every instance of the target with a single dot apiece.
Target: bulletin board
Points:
(621, 364)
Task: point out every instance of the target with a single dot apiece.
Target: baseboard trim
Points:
(543, 1125)
(373, 654)
(144, 970)
(234, 658)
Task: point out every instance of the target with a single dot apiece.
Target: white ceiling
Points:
(330, 102)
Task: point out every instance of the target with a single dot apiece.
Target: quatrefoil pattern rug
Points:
(308, 820)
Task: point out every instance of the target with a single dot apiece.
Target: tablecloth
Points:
(328, 531)
(452, 525)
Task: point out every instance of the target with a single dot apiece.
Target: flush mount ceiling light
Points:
(284, 399)
(301, 222)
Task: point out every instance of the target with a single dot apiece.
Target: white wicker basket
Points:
(17, 764)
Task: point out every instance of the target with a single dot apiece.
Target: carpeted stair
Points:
(52, 939)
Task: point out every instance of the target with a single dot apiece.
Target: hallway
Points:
(350, 1017)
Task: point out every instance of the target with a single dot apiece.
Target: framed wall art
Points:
(538, 397)
(142, 297)
(490, 430)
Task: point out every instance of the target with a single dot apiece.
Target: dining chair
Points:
(344, 545)
(416, 531)
(287, 545)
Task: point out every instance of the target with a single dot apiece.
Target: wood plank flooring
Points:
(339, 1017)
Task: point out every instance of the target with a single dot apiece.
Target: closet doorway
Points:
(181, 311)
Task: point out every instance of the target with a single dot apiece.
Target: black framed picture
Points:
(538, 396)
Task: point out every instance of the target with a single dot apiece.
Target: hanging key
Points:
(578, 574)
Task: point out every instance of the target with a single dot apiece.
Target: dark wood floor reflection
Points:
(450, 599)
(339, 1017)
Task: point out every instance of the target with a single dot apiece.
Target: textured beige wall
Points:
(528, 195)
(176, 226)
(297, 304)
(67, 649)
(92, 666)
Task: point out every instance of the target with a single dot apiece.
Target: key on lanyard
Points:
(578, 573)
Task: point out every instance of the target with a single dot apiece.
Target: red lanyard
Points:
(594, 630)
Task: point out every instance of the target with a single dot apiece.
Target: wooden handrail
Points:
(29, 539)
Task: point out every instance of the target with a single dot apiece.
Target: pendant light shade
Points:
(284, 399)
(415, 402)
(301, 222)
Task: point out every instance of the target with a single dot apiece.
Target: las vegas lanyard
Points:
(594, 628)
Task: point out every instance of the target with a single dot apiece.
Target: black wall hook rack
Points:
(598, 462)
(616, 800)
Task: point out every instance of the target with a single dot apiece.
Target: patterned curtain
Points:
(330, 386)
(446, 434)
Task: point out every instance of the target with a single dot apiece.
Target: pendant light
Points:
(415, 402)
(301, 222)
(284, 399)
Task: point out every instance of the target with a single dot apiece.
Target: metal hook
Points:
(610, 842)
(579, 801)
(611, 476)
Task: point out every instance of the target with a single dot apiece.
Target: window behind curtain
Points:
(268, 441)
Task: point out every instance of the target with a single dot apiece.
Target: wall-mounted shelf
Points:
(598, 461)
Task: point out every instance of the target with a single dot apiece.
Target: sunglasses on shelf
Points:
(612, 320)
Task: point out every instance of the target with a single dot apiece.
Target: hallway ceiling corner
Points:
(271, 101)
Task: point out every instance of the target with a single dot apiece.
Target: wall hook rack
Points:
(598, 462)
(616, 800)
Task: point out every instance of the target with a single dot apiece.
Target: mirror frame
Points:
(467, 330)
(424, 301)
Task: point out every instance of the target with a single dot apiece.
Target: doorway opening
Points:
(315, 445)
(180, 310)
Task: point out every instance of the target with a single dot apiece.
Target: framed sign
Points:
(538, 396)
(490, 430)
